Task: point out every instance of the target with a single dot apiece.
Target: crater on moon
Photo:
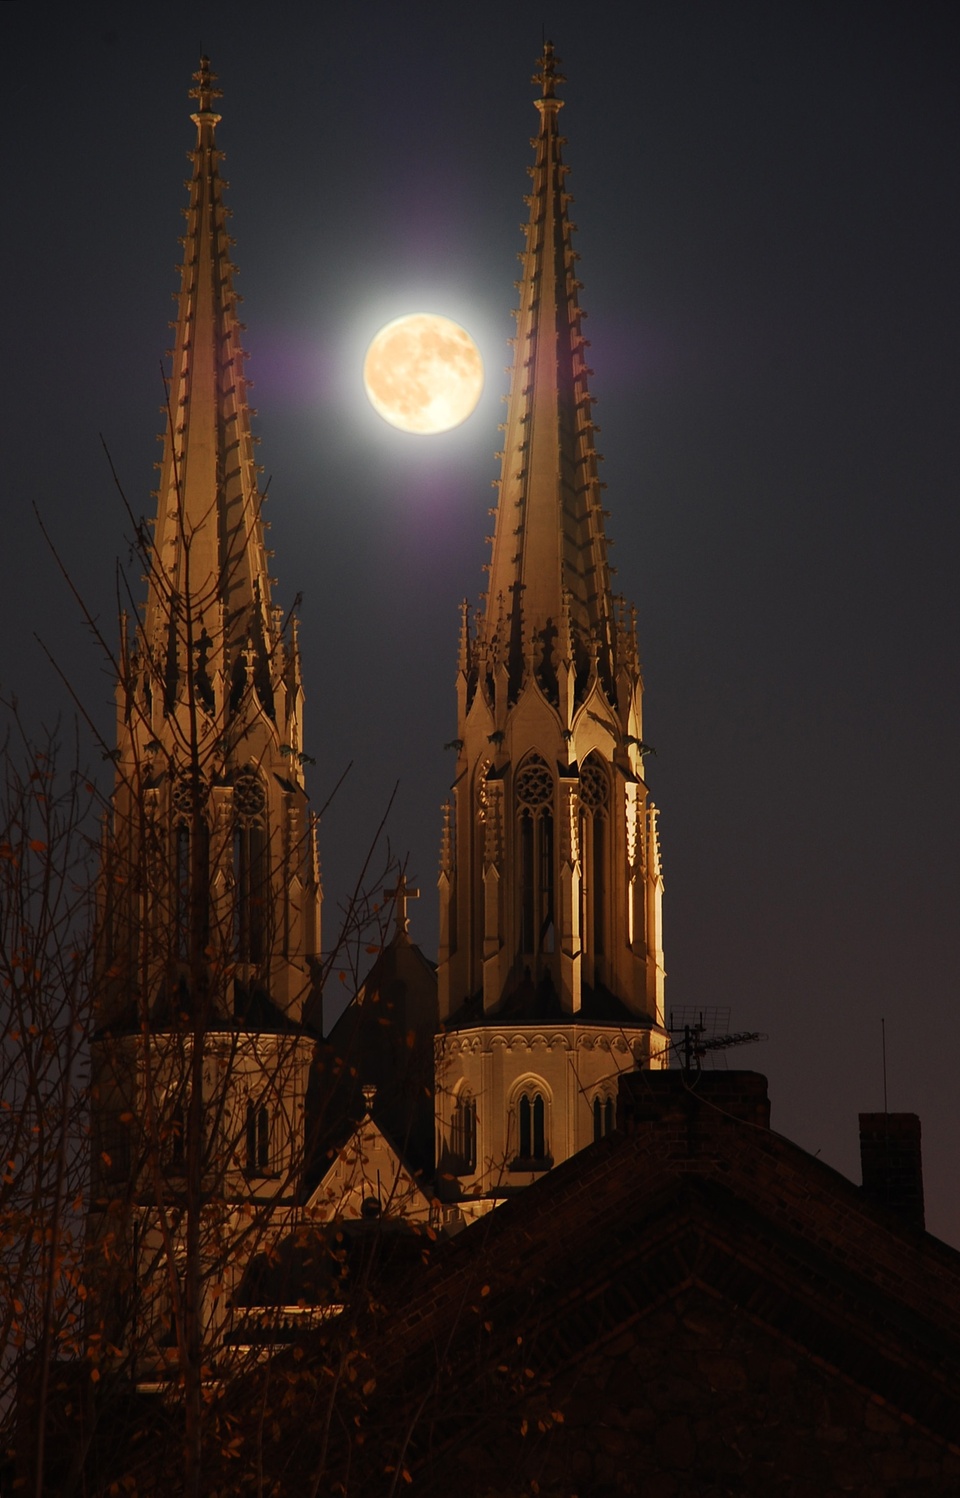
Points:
(423, 373)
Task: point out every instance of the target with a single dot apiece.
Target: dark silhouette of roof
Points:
(694, 1298)
(533, 1003)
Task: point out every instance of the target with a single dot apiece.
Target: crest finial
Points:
(204, 90)
(546, 74)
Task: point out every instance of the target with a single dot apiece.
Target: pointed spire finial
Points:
(463, 653)
(546, 75)
(205, 91)
(565, 641)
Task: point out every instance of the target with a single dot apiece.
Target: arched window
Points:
(594, 804)
(175, 1137)
(531, 1130)
(463, 1133)
(192, 888)
(191, 866)
(534, 796)
(258, 1139)
(604, 1116)
(182, 877)
(249, 867)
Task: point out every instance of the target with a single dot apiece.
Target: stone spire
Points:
(210, 698)
(208, 607)
(551, 892)
(551, 965)
(548, 573)
(209, 919)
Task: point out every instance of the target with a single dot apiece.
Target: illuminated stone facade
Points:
(210, 905)
(551, 964)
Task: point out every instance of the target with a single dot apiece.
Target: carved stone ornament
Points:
(534, 783)
(249, 796)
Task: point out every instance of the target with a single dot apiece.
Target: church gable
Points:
(367, 1178)
(384, 1041)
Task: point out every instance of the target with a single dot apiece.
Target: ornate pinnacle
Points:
(463, 655)
(446, 842)
(205, 92)
(546, 74)
(566, 638)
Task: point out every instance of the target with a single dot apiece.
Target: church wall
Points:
(570, 1067)
(142, 1093)
(254, 1091)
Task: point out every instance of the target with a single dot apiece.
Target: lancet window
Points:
(249, 867)
(258, 1138)
(531, 1112)
(594, 833)
(175, 1136)
(604, 1116)
(534, 797)
(463, 1131)
(112, 1154)
(191, 866)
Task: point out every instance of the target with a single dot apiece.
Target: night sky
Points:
(767, 201)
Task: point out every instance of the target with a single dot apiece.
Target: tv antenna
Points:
(700, 1031)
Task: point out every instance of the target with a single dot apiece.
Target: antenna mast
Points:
(691, 1026)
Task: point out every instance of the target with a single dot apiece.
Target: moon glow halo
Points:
(423, 373)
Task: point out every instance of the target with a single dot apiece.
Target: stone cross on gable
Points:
(401, 894)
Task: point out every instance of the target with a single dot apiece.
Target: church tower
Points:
(551, 968)
(210, 901)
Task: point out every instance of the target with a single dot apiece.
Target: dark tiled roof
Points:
(531, 1003)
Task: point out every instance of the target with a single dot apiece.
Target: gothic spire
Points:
(549, 582)
(547, 890)
(208, 606)
(209, 796)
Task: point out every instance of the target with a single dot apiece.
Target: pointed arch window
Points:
(258, 1138)
(174, 1127)
(463, 1131)
(535, 796)
(594, 853)
(604, 1116)
(531, 1132)
(191, 866)
(250, 867)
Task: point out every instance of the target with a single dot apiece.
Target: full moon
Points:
(423, 373)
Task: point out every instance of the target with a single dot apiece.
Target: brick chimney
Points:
(655, 1096)
(891, 1163)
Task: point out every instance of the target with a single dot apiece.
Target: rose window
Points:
(594, 788)
(249, 797)
(534, 783)
(189, 791)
